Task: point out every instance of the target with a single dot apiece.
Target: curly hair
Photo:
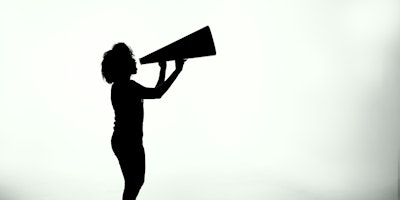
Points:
(115, 62)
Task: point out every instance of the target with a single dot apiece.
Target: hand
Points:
(179, 64)
(162, 64)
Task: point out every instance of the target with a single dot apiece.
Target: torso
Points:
(128, 109)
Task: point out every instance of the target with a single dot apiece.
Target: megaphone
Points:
(198, 44)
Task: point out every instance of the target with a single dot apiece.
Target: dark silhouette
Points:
(127, 99)
(197, 44)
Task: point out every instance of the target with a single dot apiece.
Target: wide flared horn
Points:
(197, 44)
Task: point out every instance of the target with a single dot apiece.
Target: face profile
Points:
(132, 66)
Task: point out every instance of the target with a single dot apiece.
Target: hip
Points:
(126, 146)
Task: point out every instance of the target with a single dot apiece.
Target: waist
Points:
(135, 137)
(128, 125)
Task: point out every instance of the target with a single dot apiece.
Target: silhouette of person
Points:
(127, 100)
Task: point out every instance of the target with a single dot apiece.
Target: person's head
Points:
(118, 63)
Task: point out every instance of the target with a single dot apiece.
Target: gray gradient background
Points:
(300, 103)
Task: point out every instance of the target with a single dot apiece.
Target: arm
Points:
(161, 78)
(160, 90)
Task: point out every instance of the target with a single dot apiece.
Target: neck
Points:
(123, 80)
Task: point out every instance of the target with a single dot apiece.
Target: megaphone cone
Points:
(197, 44)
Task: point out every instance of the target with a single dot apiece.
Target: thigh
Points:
(133, 166)
(131, 158)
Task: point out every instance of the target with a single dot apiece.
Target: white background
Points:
(300, 102)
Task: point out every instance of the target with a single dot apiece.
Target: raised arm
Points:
(162, 88)
(161, 78)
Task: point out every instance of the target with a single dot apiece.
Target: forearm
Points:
(162, 88)
(161, 78)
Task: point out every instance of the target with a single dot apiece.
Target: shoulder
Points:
(135, 85)
(132, 82)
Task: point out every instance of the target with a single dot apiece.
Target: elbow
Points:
(158, 94)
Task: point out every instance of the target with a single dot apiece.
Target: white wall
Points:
(301, 101)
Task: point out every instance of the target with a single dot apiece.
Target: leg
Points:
(131, 158)
(133, 170)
